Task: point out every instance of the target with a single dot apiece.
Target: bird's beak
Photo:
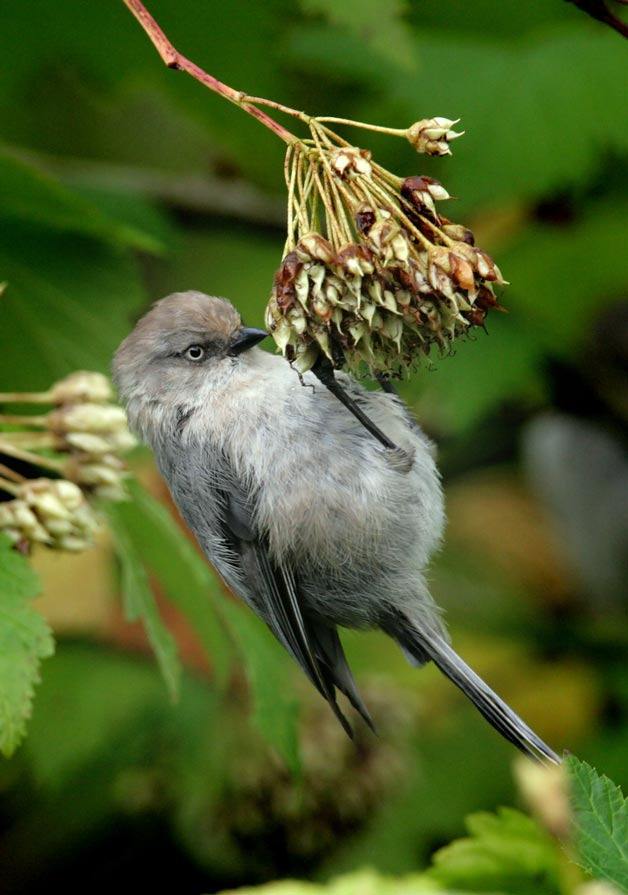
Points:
(246, 338)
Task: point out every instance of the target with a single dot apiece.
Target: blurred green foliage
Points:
(121, 181)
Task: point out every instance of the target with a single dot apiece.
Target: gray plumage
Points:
(303, 513)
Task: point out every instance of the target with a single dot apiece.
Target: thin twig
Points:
(598, 10)
(173, 59)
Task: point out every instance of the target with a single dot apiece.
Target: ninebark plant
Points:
(373, 274)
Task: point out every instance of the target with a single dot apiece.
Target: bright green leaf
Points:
(506, 852)
(140, 604)
(25, 639)
(600, 822)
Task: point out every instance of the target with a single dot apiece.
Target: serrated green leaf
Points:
(139, 603)
(25, 639)
(69, 303)
(600, 823)
(506, 852)
(167, 553)
(32, 196)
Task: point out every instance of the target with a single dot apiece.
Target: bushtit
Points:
(304, 514)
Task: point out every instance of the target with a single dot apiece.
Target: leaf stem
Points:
(173, 59)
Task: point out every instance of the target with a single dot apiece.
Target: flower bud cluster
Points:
(432, 136)
(92, 431)
(87, 434)
(51, 512)
(408, 279)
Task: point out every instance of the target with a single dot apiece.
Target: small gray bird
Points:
(304, 514)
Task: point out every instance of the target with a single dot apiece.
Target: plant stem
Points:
(394, 131)
(272, 104)
(17, 420)
(30, 440)
(25, 398)
(9, 487)
(173, 59)
(45, 462)
(11, 474)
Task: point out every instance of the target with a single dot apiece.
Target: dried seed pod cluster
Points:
(373, 273)
(80, 442)
(49, 512)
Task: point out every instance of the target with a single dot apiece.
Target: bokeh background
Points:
(121, 181)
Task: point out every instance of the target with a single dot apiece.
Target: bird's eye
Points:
(195, 352)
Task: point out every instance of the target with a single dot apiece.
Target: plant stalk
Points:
(173, 59)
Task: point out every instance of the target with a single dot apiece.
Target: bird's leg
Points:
(324, 371)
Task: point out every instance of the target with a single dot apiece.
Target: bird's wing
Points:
(315, 646)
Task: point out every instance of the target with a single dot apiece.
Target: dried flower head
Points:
(373, 274)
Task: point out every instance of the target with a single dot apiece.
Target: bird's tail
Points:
(424, 647)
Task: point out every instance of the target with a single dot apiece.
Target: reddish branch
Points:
(173, 59)
(598, 9)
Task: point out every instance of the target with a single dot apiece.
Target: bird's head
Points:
(185, 343)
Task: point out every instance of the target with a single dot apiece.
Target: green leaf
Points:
(196, 590)
(140, 604)
(25, 639)
(530, 126)
(69, 303)
(551, 308)
(562, 276)
(378, 23)
(189, 583)
(30, 195)
(505, 852)
(600, 822)
(269, 673)
(92, 700)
